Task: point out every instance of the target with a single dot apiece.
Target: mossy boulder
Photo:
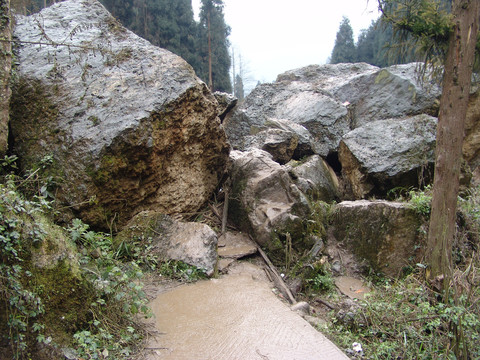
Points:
(385, 235)
(41, 278)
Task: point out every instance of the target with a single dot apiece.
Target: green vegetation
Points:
(412, 318)
(406, 320)
(181, 271)
(344, 50)
(63, 287)
(384, 43)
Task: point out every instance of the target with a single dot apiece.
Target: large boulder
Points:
(190, 242)
(390, 153)
(393, 92)
(264, 200)
(129, 125)
(329, 101)
(383, 234)
(302, 104)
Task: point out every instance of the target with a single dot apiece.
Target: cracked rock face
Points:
(128, 125)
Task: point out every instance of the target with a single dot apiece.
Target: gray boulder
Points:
(383, 234)
(264, 200)
(315, 178)
(129, 125)
(390, 153)
(190, 242)
(331, 100)
(303, 105)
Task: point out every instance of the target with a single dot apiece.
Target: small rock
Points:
(302, 307)
(337, 267)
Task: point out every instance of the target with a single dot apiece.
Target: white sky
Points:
(274, 36)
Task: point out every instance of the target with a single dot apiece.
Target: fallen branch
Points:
(225, 211)
(277, 278)
(327, 304)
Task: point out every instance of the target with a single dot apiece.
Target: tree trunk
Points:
(5, 67)
(210, 77)
(450, 134)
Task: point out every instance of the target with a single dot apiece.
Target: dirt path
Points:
(234, 317)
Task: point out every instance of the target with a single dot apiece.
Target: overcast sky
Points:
(274, 36)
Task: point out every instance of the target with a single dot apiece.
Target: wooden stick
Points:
(277, 278)
(225, 212)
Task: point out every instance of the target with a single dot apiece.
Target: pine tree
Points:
(344, 50)
(239, 91)
(214, 66)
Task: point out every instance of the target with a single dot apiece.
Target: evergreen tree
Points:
(344, 50)
(239, 91)
(214, 66)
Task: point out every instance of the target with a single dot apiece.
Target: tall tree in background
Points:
(344, 50)
(453, 37)
(239, 92)
(5, 67)
(213, 46)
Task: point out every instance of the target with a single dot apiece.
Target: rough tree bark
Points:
(450, 134)
(210, 80)
(5, 67)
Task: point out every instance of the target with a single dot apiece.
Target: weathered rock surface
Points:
(299, 103)
(384, 234)
(329, 101)
(314, 177)
(192, 243)
(130, 126)
(385, 154)
(226, 102)
(279, 143)
(392, 92)
(265, 202)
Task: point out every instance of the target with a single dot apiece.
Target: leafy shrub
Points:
(421, 200)
(181, 271)
(89, 303)
(112, 332)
